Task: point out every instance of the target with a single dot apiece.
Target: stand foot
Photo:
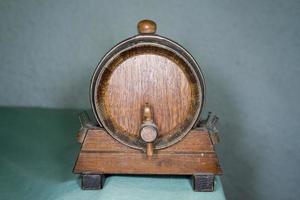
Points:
(203, 182)
(92, 181)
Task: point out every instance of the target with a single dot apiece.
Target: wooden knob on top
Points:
(146, 26)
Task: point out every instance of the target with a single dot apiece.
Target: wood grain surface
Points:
(152, 75)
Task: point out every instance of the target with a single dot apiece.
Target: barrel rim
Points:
(150, 40)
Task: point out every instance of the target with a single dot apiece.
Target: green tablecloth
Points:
(38, 151)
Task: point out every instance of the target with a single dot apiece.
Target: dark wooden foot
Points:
(203, 182)
(92, 181)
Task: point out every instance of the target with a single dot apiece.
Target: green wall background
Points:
(249, 52)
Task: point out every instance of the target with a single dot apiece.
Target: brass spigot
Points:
(148, 131)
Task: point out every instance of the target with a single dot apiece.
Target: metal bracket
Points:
(86, 124)
(210, 124)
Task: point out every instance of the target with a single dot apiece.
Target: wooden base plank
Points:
(101, 154)
(117, 163)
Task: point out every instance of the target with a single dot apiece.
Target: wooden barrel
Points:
(152, 70)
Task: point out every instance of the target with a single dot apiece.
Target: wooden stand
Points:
(100, 154)
(148, 93)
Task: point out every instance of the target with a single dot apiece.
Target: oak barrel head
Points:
(152, 70)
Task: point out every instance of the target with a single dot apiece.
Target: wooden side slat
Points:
(99, 140)
(195, 141)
